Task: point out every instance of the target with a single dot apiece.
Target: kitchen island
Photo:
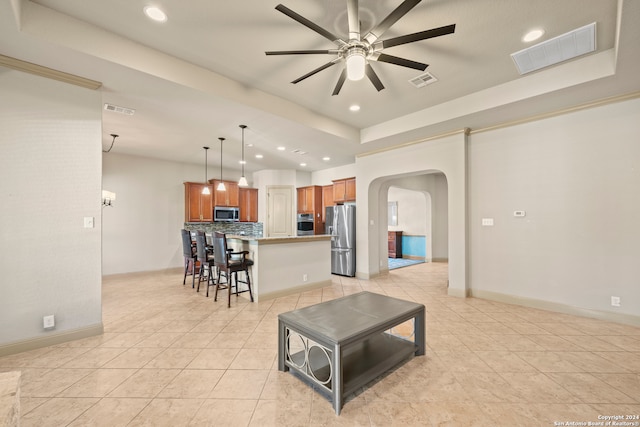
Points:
(286, 265)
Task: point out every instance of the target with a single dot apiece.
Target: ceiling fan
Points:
(358, 52)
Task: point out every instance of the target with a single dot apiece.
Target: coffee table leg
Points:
(419, 332)
(338, 380)
(282, 346)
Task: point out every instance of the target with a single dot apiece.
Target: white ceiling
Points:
(204, 72)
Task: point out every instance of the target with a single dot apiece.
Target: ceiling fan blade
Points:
(303, 52)
(391, 19)
(354, 19)
(390, 59)
(422, 35)
(341, 80)
(304, 21)
(317, 70)
(373, 77)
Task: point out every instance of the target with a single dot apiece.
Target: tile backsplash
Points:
(253, 229)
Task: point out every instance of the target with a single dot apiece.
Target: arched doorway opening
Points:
(421, 215)
(445, 156)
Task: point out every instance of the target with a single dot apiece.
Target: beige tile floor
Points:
(171, 357)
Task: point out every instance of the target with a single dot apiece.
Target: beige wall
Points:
(577, 176)
(50, 142)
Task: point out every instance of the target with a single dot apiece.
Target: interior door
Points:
(279, 211)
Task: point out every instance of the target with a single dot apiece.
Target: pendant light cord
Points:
(243, 128)
(206, 150)
(221, 141)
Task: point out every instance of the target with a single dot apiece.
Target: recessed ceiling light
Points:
(532, 35)
(155, 13)
(259, 156)
(303, 164)
(281, 148)
(354, 107)
(242, 162)
(249, 145)
(326, 159)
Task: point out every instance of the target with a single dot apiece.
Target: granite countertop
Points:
(273, 240)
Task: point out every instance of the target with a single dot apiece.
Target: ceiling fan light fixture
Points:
(356, 63)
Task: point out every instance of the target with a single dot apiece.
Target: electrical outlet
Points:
(615, 301)
(49, 322)
(305, 277)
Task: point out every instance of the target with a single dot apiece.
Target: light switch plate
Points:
(487, 222)
(519, 213)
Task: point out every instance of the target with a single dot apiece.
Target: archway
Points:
(445, 156)
(422, 213)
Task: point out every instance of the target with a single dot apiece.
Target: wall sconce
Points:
(107, 198)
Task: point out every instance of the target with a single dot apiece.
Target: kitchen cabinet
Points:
(248, 198)
(198, 207)
(310, 202)
(229, 197)
(309, 199)
(395, 244)
(344, 190)
(327, 200)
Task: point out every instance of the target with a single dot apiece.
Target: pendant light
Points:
(243, 181)
(221, 186)
(205, 189)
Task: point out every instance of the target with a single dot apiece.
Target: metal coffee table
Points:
(339, 346)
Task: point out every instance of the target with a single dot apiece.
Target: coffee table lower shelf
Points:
(362, 363)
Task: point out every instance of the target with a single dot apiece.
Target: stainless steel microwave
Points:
(226, 214)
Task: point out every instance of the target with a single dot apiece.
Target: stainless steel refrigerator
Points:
(341, 225)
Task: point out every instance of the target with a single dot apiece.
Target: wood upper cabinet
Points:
(248, 204)
(310, 199)
(229, 197)
(327, 200)
(198, 207)
(310, 202)
(344, 190)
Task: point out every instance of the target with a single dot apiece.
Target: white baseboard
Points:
(556, 307)
(293, 290)
(54, 339)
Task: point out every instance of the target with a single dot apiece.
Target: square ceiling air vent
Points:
(423, 79)
(558, 49)
(121, 110)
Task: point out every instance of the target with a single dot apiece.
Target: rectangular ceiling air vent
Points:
(558, 49)
(121, 110)
(423, 79)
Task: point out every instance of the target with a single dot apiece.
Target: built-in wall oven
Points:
(305, 224)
